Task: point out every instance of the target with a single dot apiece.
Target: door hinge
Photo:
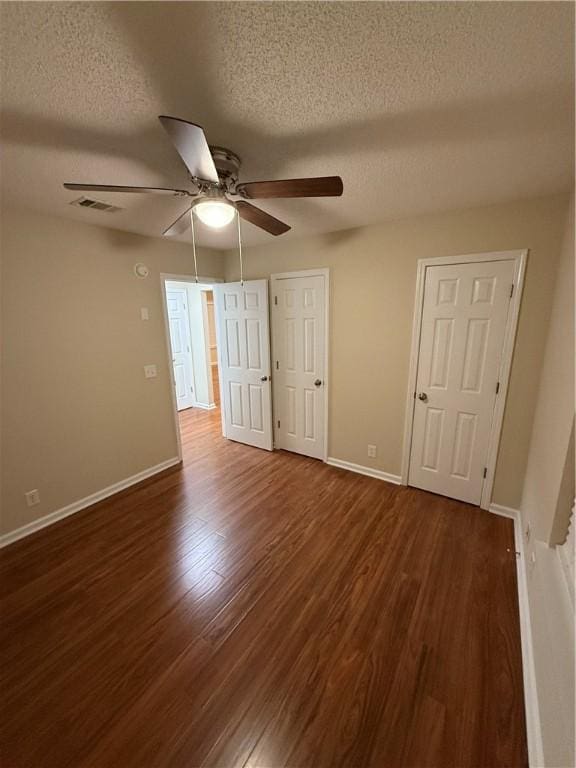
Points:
(414, 395)
(278, 423)
(511, 290)
(485, 471)
(276, 300)
(497, 387)
(277, 365)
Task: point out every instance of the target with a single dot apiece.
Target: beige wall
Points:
(546, 497)
(373, 273)
(546, 502)
(77, 413)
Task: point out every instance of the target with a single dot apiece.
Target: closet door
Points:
(463, 326)
(299, 336)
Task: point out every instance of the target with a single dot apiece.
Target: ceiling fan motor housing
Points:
(227, 163)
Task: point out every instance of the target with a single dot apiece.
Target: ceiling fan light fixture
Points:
(214, 173)
(214, 213)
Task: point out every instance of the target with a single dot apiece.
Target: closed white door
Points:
(179, 324)
(243, 342)
(464, 319)
(299, 351)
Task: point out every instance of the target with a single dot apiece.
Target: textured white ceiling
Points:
(418, 106)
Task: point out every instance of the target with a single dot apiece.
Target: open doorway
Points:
(191, 332)
(218, 353)
(207, 298)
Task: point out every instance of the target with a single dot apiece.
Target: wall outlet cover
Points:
(150, 371)
(32, 497)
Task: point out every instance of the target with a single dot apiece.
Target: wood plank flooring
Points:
(262, 610)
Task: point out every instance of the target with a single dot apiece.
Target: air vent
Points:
(86, 202)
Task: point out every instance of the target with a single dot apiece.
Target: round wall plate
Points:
(141, 270)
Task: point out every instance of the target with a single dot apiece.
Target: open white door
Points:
(243, 340)
(179, 325)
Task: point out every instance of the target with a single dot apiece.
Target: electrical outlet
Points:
(144, 314)
(372, 451)
(150, 372)
(32, 497)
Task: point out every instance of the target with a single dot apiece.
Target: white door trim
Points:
(519, 258)
(320, 272)
(165, 276)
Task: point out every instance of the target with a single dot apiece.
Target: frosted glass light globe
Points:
(214, 213)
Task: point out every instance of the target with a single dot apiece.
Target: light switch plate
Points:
(150, 371)
(144, 315)
(372, 451)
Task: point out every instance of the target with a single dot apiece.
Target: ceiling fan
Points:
(217, 194)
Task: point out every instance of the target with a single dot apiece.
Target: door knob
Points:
(317, 383)
(423, 396)
(263, 378)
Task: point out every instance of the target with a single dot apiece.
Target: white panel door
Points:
(243, 334)
(299, 342)
(461, 342)
(179, 324)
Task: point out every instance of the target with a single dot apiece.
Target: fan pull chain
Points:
(240, 248)
(194, 243)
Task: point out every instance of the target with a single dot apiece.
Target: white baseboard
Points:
(76, 506)
(531, 706)
(362, 470)
(498, 509)
(204, 407)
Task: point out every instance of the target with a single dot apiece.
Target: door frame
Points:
(166, 276)
(519, 258)
(320, 272)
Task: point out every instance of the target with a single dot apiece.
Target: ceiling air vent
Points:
(86, 202)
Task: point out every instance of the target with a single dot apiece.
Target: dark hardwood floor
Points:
(262, 610)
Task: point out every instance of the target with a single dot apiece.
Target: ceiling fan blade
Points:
(179, 226)
(192, 147)
(111, 188)
(260, 218)
(323, 186)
